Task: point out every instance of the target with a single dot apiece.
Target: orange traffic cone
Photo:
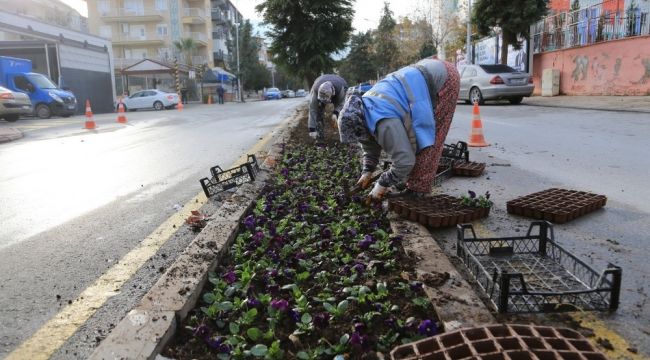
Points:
(476, 138)
(90, 123)
(121, 117)
(209, 99)
(180, 104)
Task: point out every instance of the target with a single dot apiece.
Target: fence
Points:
(590, 25)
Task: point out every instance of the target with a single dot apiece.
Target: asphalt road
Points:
(75, 201)
(535, 148)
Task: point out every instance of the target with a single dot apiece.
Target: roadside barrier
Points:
(476, 138)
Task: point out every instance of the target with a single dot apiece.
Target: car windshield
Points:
(273, 90)
(41, 81)
(497, 69)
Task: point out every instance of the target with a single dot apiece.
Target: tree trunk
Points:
(504, 50)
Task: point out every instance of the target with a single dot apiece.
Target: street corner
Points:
(10, 134)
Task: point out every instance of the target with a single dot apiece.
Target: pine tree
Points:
(248, 48)
(358, 66)
(305, 33)
(513, 17)
(385, 44)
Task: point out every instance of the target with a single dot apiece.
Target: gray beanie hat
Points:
(352, 121)
(325, 92)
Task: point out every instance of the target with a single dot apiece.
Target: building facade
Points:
(148, 29)
(225, 16)
(53, 12)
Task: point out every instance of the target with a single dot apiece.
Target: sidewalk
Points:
(9, 134)
(639, 104)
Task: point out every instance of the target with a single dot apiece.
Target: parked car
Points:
(13, 104)
(359, 89)
(479, 83)
(288, 93)
(301, 93)
(272, 93)
(150, 99)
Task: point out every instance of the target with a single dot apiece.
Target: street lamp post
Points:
(239, 93)
(468, 46)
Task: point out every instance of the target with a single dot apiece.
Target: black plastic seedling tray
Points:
(223, 180)
(533, 274)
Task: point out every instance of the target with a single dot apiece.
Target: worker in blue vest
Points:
(407, 114)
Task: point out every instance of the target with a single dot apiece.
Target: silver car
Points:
(494, 82)
(148, 99)
(13, 104)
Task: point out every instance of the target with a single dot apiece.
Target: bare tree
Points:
(444, 23)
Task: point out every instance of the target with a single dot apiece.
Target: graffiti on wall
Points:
(613, 68)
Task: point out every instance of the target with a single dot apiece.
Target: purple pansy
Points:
(249, 222)
(230, 277)
(253, 302)
(321, 320)
(415, 286)
(280, 305)
(294, 315)
(472, 194)
(359, 268)
(202, 331)
(427, 328)
(358, 341)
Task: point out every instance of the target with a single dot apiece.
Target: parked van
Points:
(47, 99)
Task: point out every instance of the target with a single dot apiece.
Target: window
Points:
(103, 6)
(22, 83)
(106, 31)
(469, 72)
(161, 5)
(125, 28)
(161, 29)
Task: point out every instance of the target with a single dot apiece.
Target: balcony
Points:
(129, 15)
(223, 4)
(200, 38)
(218, 17)
(133, 39)
(194, 16)
(199, 60)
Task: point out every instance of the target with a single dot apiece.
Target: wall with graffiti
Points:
(620, 67)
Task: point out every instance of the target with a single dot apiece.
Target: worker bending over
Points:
(327, 96)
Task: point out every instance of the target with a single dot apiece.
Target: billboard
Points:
(487, 53)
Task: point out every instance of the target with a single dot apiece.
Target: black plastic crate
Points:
(223, 180)
(533, 274)
(455, 152)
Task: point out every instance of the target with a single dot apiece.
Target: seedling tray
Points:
(437, 211)
(556, 205)
(502, 342)
(533, 274)
(222, 180)
(469, 169)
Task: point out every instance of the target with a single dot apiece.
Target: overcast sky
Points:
(367, 12)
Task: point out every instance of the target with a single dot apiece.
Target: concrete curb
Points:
(637, 111)
(10, 134)
(145, 331)
(455, 301)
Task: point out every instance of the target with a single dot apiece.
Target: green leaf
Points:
(234, 328)
(342, 306)
(344, 339)
(329, 307)
(303, 355)
(254, 333)
(225, 306)
(306, 318)
(209, 297)
(303, 276)
(251, 314)
(259, 350)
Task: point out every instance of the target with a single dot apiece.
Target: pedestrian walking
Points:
(408, 115)
(220, 92)
(328, 91)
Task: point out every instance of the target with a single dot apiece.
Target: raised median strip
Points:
(10, 134)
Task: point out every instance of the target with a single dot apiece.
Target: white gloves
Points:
(313, 134)
(378, 192)
(364, 180)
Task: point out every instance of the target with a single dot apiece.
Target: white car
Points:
(150, 99)
(301, 93)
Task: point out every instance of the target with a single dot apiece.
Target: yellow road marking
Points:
(587, 320)
(51, 336)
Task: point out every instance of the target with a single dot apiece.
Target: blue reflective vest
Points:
(404, 95)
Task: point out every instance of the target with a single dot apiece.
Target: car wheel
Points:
(516, 100)
(475, 96)
(43, 111)
(158, 105)
(12, 117)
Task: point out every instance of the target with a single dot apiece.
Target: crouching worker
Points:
(327, 97)
(408, 115)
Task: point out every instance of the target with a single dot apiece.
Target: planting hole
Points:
(452, 340)
(404, 352)
(499, 331)
(519, 355)
(459, 352)
(546, 332)
(569, 334)
(476, 334)
(558, 344)
(569, 355)
(522, 330)
(582, 345)
(485, 347)
(534, 343)
(509, 343)
(435, 356)
(594, 356)
(427, 346)
(497, 356)
(545, 355)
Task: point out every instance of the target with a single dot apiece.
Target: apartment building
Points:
(225, 16)
(147, 29)
(53, 12)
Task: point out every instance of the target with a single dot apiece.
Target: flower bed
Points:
(313, 273)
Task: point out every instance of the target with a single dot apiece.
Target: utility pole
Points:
(469, 58)
(238, 69)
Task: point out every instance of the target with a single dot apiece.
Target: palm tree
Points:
(186, 47)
